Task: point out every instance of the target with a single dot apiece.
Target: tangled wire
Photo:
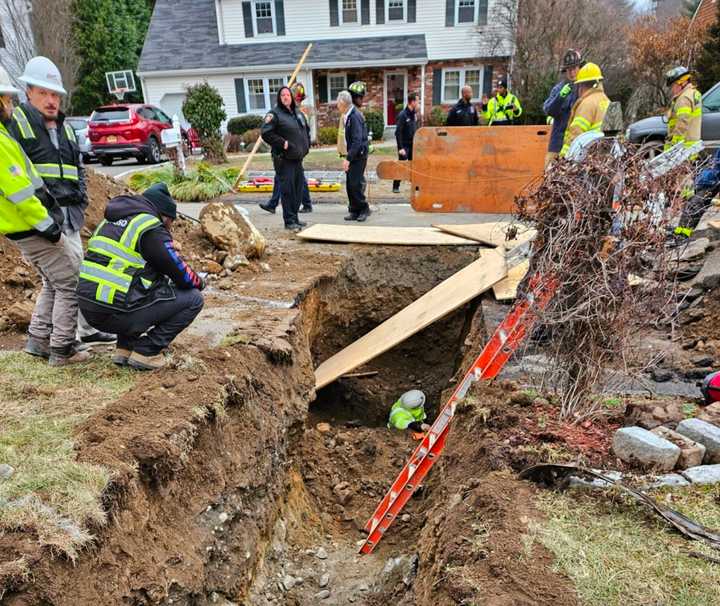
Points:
(602, 227)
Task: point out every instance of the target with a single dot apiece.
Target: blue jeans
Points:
(275, 198)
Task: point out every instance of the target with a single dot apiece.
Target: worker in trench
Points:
(409, 413)
(133, 281)
(349, 104)
(504, 107)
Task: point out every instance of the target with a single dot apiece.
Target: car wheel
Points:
(650, 149)
(154, 154)
(105, 161)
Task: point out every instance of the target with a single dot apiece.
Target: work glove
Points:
(52, 233)
(566, 90)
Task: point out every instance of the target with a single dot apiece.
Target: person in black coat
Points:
(405, 127)
(286, 131)
(464, 113)
(356, 137)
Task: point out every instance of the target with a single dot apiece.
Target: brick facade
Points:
(706, 14)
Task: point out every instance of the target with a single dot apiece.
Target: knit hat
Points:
(502, 83)
(159, 196)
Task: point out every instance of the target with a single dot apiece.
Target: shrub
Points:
(232, 143)
(249, 138)
(438, 116)
(241, 124)
(375, 123)
(204, 109)
(327, 135)
(202, 183)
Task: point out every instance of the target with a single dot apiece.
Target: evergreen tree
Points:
(708, 63)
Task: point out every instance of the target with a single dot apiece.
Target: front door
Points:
(395, 94)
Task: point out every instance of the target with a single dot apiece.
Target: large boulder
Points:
(230, 230)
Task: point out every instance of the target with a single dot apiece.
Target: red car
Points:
(130, 130)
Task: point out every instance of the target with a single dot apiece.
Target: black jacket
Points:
(69, 193)
(356, 136)
(463, 113)
(405, 127)
(282, 124)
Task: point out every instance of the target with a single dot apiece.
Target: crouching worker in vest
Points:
(133, 283)
(409, 413)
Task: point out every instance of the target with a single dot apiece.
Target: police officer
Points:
(405, 127)
(464, 113)
(286, 131)
(503, 109)
(349, 103)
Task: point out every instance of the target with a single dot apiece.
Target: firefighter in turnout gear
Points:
(503, 109)
(589, 110)
(409, 413)
(685, 113)
(133, 281)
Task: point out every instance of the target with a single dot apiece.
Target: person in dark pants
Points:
(356, 137)
(405, 127)
(133, 281)
(299, 94)
(464, 113)
(286, 131)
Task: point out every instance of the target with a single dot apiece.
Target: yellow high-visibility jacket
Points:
(498, 109)
(685, 118)
(587, 115)
(20, 209)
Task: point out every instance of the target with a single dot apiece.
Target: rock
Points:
(692, 315)
(223, 517)
(405, 517)
(343, 492)
(696, 249)
(694, 293)
(703, 474)
(20, 313)
(323, 427)
(321, 554)
(232, 262)
(638, 446)
(661, 375)
(288, 582)
(702, 360)
(212, 267)
(229, 229)
(323, 595)
(324, 580)
(689, 344)
(401, 568)
(265, 267)
(691, 453)
(698, 373)
(652, 413)
(709, 276)
(706, 434)
(711, 413)
(20, 277)
(669, 479)
(6, 471)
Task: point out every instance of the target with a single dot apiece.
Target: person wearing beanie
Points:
(503, 108)
(133, 281)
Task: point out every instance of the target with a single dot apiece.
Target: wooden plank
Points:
(506, 289)
(492, 234)
(368, 234)
(454, 292)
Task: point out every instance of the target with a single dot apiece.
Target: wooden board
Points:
(369, 234)
(454, 292)
(492, 234)
(471, 168)
(506, 289)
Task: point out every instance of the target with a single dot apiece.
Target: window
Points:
(466, 11)
(264, 18)
(711, 100)
(336, 83)
(262, 92)
(455, 79)
(396, 10)
(350, 11)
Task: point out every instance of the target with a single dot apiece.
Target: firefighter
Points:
(286, 131)
(133, 281)
(464, 113)
(356, 139)
(405, 127)
(589, 110)
(503, 109)
(50, 143)
(31, 219)
(685, 113)
(271, 205)
(559, 104)
(409, 413)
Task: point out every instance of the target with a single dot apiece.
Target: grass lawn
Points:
(617, 553)
(50, 491)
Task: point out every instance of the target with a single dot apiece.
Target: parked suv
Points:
(652, 131)
(128, 131)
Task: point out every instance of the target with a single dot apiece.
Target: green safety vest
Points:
(401, 417)
(496, 109)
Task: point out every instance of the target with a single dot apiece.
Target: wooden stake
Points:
(259, 140)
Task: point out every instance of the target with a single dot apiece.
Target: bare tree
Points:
(17, 34)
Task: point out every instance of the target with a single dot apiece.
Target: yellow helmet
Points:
(590, 72)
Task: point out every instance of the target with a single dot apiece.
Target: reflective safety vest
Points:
(401, 417)
(685, 118)
(587, 116)
(113, 262)
(20, 209)
(498, 109)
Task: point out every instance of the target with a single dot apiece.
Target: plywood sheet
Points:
(492, 234)
(454, 292)
(369, 234)
(506, 289)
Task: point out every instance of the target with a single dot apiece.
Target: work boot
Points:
(351, 217)
(396, 190)
(120, 356)
(141, 362)
(99, 338)
(67, 355)
(36, 346)
(267, 208)
(302, 224)
(363, 216)
(305, 209)
(294, 227)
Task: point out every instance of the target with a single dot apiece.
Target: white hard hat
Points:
(413, 399)
(42, 72)
(6, 86)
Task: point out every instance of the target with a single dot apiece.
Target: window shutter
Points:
(437, 87)
(379, 12)
(487, 80)
(411, 11)
(280, 17)
(248, 19)
(323, 91)
(365, 12)
(240, 95)
(449, 13)
(483, 12)
(334, 14)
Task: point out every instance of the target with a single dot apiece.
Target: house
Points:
(248, 49)
(706, 14)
